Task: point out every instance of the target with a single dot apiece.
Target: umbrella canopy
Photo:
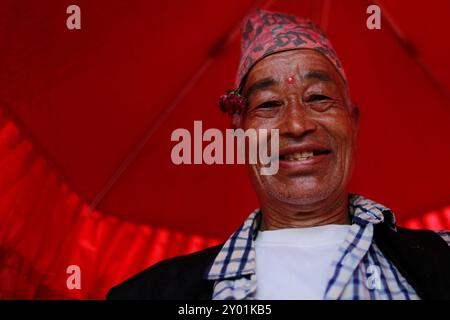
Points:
(100, 103)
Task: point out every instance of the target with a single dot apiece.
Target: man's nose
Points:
(296, 121)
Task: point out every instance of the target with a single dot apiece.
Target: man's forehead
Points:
(301, 64)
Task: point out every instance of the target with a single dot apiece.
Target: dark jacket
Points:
(421, 256)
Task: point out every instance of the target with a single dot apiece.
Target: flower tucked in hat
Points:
(232, 102)
(265, 33)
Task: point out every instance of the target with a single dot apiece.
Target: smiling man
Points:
(310, 239)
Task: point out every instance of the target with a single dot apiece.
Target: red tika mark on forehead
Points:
(290, 80)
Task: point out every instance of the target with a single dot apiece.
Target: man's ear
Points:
(355, 117)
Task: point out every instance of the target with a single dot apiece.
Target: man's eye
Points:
(268, 105)
(317, 97)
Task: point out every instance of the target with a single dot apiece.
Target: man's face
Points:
(300, 93)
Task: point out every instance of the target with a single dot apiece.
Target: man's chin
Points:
(299, 197)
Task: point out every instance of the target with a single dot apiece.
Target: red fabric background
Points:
(46, 227)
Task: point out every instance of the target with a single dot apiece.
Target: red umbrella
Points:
(86, 176)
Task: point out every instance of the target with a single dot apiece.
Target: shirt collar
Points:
(363, 211)
(237, 256)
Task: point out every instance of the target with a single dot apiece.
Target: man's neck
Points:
(279, 216)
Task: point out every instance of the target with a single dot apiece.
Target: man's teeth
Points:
(299, 155)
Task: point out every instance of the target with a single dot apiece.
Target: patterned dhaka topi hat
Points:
(265, 33)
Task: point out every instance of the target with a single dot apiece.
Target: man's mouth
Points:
(303, 155)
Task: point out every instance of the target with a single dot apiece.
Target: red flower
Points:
(232, 102)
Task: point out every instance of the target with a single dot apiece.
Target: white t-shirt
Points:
(293, 263)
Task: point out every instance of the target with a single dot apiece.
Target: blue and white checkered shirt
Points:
(359, 269)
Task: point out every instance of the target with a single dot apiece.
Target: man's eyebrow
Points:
(261, 85)
(316, 74)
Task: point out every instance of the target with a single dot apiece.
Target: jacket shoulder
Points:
(415, 238)
(426, 237)
(180, 277)
(421, 256)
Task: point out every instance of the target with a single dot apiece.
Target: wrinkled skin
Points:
(300, 93)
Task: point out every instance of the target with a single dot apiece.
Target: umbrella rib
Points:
(149, 132)
(409, 47)
(168, 110)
